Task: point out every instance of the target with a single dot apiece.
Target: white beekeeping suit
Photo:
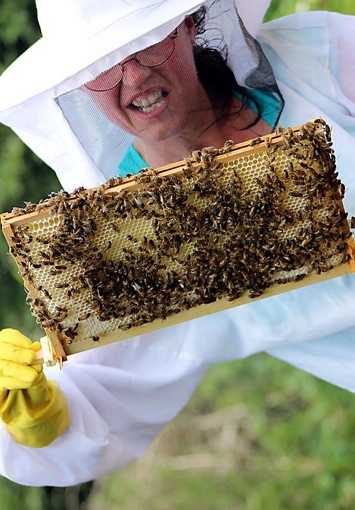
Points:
(121, 395)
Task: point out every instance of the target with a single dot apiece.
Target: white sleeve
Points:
(313, 58)
(119, 397)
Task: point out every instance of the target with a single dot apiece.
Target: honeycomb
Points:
(219, 229)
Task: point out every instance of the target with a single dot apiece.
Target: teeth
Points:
(147, 101)
(148, 109)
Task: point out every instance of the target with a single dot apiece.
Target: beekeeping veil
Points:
(41, 93)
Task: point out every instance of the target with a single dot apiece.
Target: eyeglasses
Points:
(153, 56)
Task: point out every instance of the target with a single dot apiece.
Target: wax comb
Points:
(219, 229)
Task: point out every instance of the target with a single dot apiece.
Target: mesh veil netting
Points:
(223, 30)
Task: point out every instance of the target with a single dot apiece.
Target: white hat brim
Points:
(50, 62)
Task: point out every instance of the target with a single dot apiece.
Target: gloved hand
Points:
(34, 410)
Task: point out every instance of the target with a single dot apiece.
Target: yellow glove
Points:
(34, 410)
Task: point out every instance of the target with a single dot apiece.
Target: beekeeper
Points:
(112, 86)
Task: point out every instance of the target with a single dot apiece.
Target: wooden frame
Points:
(250, 220)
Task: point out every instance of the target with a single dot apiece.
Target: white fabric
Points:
(122, 394)
(314, 61)
(252, 13)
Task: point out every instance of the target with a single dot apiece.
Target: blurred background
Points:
(258, 434)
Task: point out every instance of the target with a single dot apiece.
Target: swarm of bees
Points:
(219, 228)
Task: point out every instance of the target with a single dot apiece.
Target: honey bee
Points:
(255, 141)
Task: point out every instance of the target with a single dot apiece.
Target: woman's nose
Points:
(134, 73)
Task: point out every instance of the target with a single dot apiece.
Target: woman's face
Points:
(156, 103)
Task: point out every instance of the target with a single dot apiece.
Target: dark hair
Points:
(214, 73)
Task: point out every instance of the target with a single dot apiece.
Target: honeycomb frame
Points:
(219, 229)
